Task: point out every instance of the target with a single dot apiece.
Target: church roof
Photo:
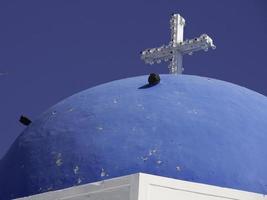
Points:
(186, 127)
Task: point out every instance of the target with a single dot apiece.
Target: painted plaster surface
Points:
(186, 127)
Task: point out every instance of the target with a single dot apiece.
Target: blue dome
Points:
(186, 127)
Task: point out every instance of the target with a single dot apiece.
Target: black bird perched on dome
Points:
(25, 120)
(153, 79)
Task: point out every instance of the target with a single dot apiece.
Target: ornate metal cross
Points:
(177, 47)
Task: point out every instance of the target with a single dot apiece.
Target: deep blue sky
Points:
(50, 50)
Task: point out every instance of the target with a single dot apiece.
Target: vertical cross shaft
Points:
(177, 24)
(175, 50)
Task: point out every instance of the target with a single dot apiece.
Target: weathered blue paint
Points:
(186, 127)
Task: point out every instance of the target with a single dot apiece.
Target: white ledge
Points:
(146, 187)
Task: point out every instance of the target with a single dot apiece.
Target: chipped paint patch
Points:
(144, 158)
(159, 162)
(99, 128)
(103, 173)
(115, 101)
(178, 168)
(76, 169)
(79, 180)
(59, 161)
(152, 152)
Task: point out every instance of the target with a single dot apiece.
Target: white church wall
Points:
(146, 187)
(122, 188)
(161, 188)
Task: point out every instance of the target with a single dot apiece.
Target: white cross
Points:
(175, 50)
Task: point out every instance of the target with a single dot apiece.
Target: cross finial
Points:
(177, 47)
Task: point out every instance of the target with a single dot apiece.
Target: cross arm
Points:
(163, 53)
(204, 42)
